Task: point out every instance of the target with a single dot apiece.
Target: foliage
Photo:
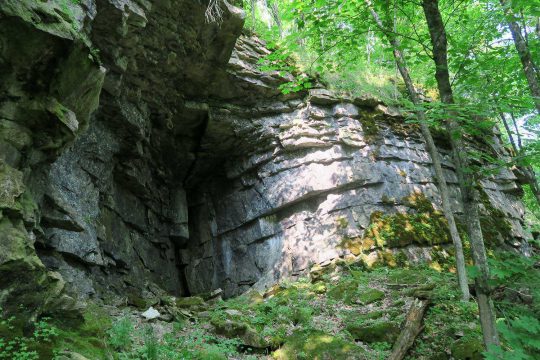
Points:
(532, 216)
(522, 340)
(518, 280)
(296, 317)
(120, 334)
(338, 43)
(32, 347)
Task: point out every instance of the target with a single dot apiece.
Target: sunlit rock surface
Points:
(142, 148)
(309, 173)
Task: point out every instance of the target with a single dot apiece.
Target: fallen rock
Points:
(467, 349)
(189, 302)
(238, 329)
(233, 312)
(318, 345)
(151, 314)
(369, 296)
(322, 97)
(386, 331)
(70, 355)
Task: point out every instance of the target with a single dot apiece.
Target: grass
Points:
(355, 315)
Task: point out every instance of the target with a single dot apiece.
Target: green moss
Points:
(11, 185)
(238, 329)
(15, 134)
(286, 296)
(317, 345)
(62, 20)
(212, 354)
(495, 225)
(187, 302)
(401, 229)
(381, 331)
(467, 349)
(342, 223)
(360, 318)
(369, 126)
(319, 287)
(345, 291)
(350, 292)
(356, 245)
(401, 259)
(87, 338)
(420, 202)
(252, 298)
(370, 296)
(47, 336)
(388, 200)
(425, 226)
(317, 271)
(228, 327)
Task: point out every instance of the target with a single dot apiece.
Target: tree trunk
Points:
(253, 4)
(433, 152)
(520, 145)
(528, 171)
(469, 193)
(411, 329)
(274, 8)
(509, 133)
(529, 67)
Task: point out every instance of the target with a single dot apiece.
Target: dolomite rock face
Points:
(310, 173)
(92, 200)
(143, 150)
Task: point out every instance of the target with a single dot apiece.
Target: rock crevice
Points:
(142, 148)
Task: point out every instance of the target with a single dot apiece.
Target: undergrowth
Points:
(346, 312)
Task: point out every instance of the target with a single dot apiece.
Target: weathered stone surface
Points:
(301, 180)
(190, 171)
(49, 85)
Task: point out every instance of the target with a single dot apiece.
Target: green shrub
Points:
(15, 346)
(120, 335)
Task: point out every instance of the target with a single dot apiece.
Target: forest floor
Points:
(338, 312)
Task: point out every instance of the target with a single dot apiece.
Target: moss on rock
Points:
(425, 226)
(317, 345)
(370, 127)
(345, 291)
(319, 287)
(188, 302)
(357, 245)
(467, 349)
(370, 296)
(495, 226)
(236, 328)
(11, 186)
(380, 331)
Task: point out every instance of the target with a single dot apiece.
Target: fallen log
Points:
(413, 326)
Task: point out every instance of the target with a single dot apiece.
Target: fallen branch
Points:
(413, 326)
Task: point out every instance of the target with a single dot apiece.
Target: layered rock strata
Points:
(142, 149)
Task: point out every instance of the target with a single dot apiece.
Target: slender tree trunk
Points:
(520, 145)
(509, 133)
(433, 152)
(533, 182)
(274, 8)
(529, 67)
(527, 171)
(469, 193)
(253, 4)
(368, 47)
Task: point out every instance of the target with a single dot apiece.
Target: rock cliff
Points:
(141, 149)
